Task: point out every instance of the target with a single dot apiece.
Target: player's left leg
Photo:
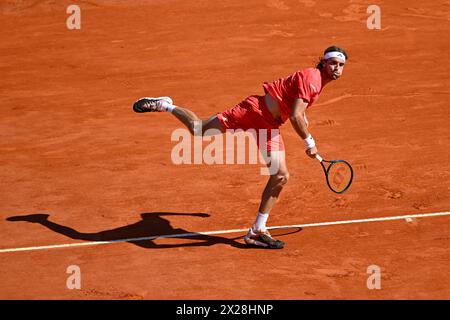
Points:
(276, 181)
(258, 234)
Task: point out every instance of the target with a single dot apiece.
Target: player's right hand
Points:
(312, 152)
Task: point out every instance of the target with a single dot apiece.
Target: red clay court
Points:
(72, 148)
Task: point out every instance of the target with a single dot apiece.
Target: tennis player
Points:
(285, 99)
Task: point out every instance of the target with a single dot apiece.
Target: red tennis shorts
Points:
(252, 113)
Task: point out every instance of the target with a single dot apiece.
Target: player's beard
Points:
(334, 75)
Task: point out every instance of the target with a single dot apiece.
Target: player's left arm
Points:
(300, 123)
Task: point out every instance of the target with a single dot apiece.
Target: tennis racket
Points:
(338, 173)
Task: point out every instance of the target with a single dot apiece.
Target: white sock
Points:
(168, 107)
(260, 223)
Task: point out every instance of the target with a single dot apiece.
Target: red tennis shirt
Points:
(305, 84)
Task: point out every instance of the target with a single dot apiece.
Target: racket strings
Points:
(339, 176)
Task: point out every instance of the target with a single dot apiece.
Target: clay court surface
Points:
(71, 147)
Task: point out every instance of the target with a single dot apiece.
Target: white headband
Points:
(334, 54)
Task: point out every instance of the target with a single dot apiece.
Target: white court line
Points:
(193, 234)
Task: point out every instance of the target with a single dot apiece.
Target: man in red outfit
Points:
(286, 98)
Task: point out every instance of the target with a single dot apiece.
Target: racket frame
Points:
(327, 170)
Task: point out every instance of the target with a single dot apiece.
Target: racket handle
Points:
(319, 158)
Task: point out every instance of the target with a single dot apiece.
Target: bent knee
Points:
(282, 178)
(194, 128)
(204, 128)
(285, 178)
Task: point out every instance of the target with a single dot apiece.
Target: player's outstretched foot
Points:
(262, 239)
(30, 218)
(147, 104)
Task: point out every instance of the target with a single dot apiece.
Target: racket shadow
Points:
(285, 231)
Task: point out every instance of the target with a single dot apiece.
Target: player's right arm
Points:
(300, 124)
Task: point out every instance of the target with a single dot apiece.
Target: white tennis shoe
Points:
(147, 104)
(262, 239)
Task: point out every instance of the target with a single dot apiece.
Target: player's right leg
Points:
(194, 124)
(186, 116)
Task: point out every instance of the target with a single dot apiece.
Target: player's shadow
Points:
(152, 225)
